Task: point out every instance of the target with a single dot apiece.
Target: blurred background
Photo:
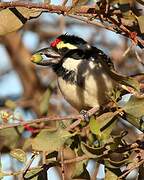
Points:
(28, 91)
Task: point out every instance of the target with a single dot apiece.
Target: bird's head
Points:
(65, 43)
(58, 48)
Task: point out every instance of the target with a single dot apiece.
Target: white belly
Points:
(94, 93)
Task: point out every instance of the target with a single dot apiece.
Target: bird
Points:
(85, 74)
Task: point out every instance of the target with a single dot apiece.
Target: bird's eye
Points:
(64, 49)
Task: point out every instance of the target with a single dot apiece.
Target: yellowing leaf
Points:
(33, 173)
(12, 19)
(135, 106)
(45, 101)
(80, 171)
(134, 110)
(80, 2)
(19, 154)
(124, 1)
(128, 81)
(141, 23)
(110, 175)
(92, 152)
(10, 104)
(9, 137)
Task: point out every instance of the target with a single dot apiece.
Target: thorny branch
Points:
(85, 11)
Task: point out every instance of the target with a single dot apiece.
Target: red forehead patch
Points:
(55, 42)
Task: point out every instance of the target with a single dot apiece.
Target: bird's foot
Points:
(85, 115)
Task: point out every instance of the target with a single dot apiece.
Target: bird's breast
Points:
(91, 86)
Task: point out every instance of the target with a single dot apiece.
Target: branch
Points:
(48, 7)
(51, 118)
(88, 11)
(77, 159)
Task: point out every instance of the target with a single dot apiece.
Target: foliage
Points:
(69, 142)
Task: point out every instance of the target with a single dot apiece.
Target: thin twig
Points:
(62, 164)
(77, 159)
(45, 119)
(74, 124)
(127, 172)
(110, 27)
(45, 6)
(95, 173)
(127, 50)
(138, 57)
(50, 118)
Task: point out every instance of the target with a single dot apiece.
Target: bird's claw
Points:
(85, 115)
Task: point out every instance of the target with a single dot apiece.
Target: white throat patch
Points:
(71, 64)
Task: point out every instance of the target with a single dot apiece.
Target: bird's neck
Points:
(67, 70)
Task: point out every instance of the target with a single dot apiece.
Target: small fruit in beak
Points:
(46, 57)
(36, 58)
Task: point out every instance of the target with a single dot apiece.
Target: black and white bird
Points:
(85, 74)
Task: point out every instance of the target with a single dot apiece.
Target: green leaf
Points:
(109, 165)
(19, 154)
(117, 139)
(115, 94)
(134, 121)
(117, 164)
(50, 141)
(33, 173)
(141, 23)
(53, 154)
(80, 171)
(92, 152)
(102, 125)
(9, 137)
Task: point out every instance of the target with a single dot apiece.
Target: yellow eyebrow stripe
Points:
(61, 45)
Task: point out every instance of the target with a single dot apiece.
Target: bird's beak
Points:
(46, 57)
